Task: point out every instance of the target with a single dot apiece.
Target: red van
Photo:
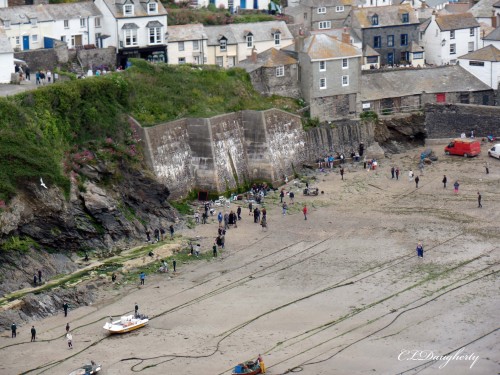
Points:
(463, 147)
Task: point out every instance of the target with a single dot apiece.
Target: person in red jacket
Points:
(304, 210)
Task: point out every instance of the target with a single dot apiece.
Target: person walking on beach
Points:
(479, 205)
(13, 328)
(304, 210)
(171, 228)
(238, 212)
(40, 276)
(69, 336)
(284, 207)
(174, 264)
(33, 333)
(282, 195)
(67, 327)
(214, 250)
(34, 279)
(455, 186)
(65, 308)
(142, 277)
(420, 250)
(342, 173)
(136, 309)
(445, 180)
(397, 173)
(417, 179)
(393, 171)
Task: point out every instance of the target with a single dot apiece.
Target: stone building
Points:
(329, 76)
(273, 72)
(389, 30)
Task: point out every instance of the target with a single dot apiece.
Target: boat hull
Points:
(126, 324)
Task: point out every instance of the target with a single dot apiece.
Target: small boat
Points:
(247, 368)
(88, 369)
(126, 323)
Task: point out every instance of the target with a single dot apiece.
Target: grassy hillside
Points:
(51, 131)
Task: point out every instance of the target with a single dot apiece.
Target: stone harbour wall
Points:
(450, 120)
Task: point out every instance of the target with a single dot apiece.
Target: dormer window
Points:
(374, 20)
(406, 18)
(277, 38)
(152, 8)
(33, 22)
(6, 24)
(128, 10)
(223, 44)
(250, 40)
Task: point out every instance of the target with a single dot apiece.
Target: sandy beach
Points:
(340, 293)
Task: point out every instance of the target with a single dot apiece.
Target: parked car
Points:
(463, 147)
(494, 152)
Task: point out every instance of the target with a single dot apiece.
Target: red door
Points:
(441, 98)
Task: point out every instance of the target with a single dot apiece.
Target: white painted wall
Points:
(108, 25)
(189, 53)
(244, 51)
(494, 43)
(4, 3)
(15, 33)
(242, 4)
(87, 33)
(7, 66)
(489, 73)
(374, 3)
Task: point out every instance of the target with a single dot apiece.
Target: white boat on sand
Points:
(126, 323)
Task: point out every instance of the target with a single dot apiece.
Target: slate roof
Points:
(494, 35)
(325, 3)
(337, 33)
(236, 33)
(497, 5)
(48, 12)
(369, 51)
(488, 53)
(399, 83)
(453, 8)
(140, 8)
(483, 8)
(387, 16)
(435, 3)
(456, 21)
(324, 47)
(5, 46)
(267, 59)
(186, 32)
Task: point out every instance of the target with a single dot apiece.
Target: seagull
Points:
(43, 184)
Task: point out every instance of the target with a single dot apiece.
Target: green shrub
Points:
(21, 244)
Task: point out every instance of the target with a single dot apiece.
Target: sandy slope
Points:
(340, 293)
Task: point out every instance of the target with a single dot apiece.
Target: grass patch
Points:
(20, 244)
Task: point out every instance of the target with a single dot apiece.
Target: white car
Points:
(495, 151)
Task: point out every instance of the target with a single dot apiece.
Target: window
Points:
(128, 9)
(196, 45)
(219, 60)
(66, 24)
(322, 66)
(249, 41)
(130, 36)
(372, 60)
(181, 46)
(453, 49)
(345, 63)
(152, 8)
(321, 10)
(63, 38)
(339, 8)
(406, 18)
(322, 83)
(6, 24)
(377, 42)
(390, 40)
(97, 22)
(305, 16)
(471, 47)
(181, 60)
(452, 34)
(18, 40)
(223, 45)
(34, 38)
(375, 20)
(471, 31)
(277, 39)
(280, 71)
(83, 22)
(418, 55)
(404, 39)
(476, 63)
(34, 22)
(325, 25)
(345, 80)
(155, 35)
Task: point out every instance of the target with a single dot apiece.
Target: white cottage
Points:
(187, 44)
(448, 36)
(484, 64)
(136, 28)
(6, 58)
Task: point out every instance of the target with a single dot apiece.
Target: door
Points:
(255, 4)
(230, 61)
(26, 42)
(390, 58)
(486, 100)
(243, 4)
(440, 98)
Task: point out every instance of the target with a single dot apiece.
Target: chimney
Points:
(299, 43)
(346, 37)
(493, 19)
(254, 55)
